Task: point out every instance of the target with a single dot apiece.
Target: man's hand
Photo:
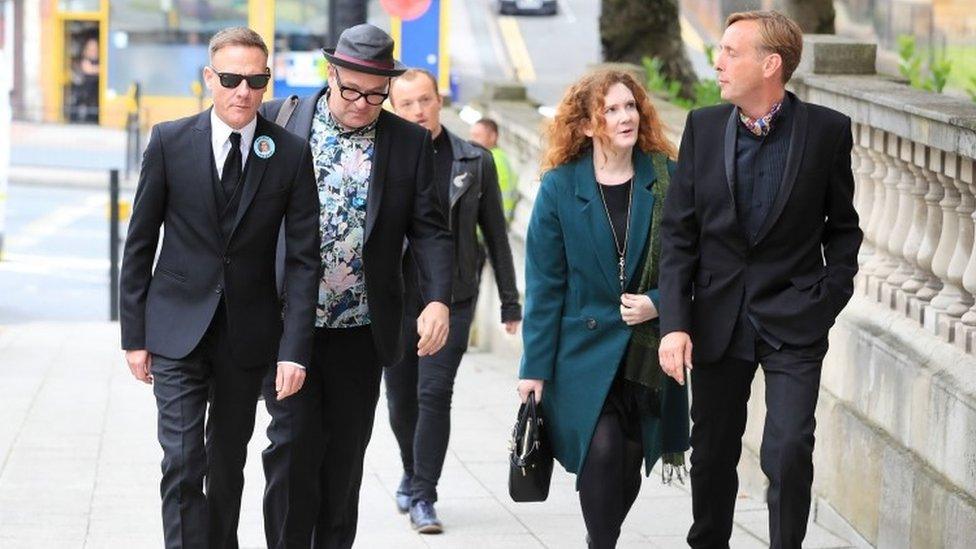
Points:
(140, 362)
(636, 308)
(527, 386)
(433, 325)
(511, 326)
(289, 380)
(675, 355)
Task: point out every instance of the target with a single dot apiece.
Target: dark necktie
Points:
(232, 166)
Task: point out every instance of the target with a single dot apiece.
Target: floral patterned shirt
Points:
(343, 162)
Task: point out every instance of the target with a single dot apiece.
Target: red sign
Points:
(406, 10)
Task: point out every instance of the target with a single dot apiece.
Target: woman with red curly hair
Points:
(591, 330)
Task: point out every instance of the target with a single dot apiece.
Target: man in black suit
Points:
(759, 252)
(376, 190)
(206, 325)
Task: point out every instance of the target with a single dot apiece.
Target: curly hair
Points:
(582, 107)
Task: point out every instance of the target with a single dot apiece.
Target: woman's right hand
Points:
(527, 386)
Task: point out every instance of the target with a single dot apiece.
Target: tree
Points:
(813, 16)
(633, 29)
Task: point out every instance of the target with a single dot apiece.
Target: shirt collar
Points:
(761, 126)
(220, 132)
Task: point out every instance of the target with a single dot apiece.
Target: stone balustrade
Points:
(913, 160)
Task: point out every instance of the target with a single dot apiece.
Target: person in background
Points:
(485, 133)
(591, 299)
(419, 389)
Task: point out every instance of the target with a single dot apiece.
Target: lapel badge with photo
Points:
(264, 147)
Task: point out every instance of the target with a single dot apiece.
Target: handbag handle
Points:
(526, 435)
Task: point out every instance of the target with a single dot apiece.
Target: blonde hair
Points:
(582, 107)
(236, 36)
(410, 75)
(777, 34)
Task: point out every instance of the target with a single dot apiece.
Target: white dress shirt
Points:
(220, 139)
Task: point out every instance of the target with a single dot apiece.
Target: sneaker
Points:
(403, 494)
(423, 518)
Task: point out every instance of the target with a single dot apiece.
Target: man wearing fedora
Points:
(374, 173)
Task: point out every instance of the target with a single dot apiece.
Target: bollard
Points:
(113, 245)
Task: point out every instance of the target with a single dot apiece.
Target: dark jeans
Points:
(720, 392)
(211, 383)
(418, 393)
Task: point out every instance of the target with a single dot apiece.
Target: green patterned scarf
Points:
(642, 365)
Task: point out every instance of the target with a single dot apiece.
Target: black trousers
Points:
(418, 393)
(318, 443)
(203, 462)
(720, 392)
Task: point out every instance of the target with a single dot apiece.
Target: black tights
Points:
(609, 481)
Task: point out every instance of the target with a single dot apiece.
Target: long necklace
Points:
(621, 249)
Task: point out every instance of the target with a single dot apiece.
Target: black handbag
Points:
(530, 456)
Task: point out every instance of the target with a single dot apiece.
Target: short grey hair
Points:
(236, 36)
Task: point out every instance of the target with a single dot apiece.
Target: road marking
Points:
(567, 12)
(690, 36)
(44, 263)
(496, 41)
(55, 222)
(517, 51)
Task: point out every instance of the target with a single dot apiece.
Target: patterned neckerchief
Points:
(760, 127)
(343, 161)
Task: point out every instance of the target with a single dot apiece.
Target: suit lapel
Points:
(377, 174)
(640, 212)
(253, 175)
(729, 145)
(798, 140)
(301, 120)
(597, 224)
(203, 163)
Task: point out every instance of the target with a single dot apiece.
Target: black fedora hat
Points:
(365, 48)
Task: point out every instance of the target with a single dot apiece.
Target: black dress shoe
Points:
(423, 518)
(403, 494)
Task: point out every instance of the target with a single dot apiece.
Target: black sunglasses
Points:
(351, 95)
(232, 80)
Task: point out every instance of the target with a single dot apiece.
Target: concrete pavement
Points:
(79, 462)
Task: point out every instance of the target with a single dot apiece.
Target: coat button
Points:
(219, 289)
(591, 324)
(226, 260)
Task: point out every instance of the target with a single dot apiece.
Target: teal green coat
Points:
(573, 336)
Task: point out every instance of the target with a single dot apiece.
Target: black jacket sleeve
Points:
(148, 211)
(491, 219)
(679, 240)
(302, 264)
(841, 237)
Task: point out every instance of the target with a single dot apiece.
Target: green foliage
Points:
(971, 90)
(910, 62)
(940, 70)
(706, 91)
(910, 66)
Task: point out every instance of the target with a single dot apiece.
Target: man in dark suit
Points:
(206, 325)
(759, 252)
(374, 172)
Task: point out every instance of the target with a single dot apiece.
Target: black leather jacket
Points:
(474, 201)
